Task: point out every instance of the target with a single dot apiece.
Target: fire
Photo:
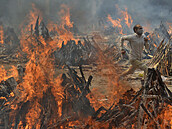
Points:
(4, 74)
(158, 35)
(169, 28)
(30, 21)
(65, 16)
(127, 17)
(124, 17)
(166, 115)
(41, 90)
(39, 79)
(116, 23)
(63, 29)
(155, 45)
(33, 117)
(64, 33)
(113, 89)
(1, 35)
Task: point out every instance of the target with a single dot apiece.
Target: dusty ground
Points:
(102, 77)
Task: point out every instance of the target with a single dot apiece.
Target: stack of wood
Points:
(6, 87)
(143, 109)
(10, 47)
(157, 36)
(74, 104)
(72, 53)
(76, 53)
(76, 88)
(135, 110)
(162, 58)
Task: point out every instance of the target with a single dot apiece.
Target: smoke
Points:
(86, 13)
(152, 11)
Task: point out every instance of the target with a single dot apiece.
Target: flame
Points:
(29, 22)
(166, 116)
(63, 29)
(40, 71)
(39, 74)
(114, 90)
(1, 35)
(158, 35)
(33, 117)
(124, 17)
(128, 19)
(65, 13)
(155, 45)
(4, 74)
(169, 28)
(116, 23)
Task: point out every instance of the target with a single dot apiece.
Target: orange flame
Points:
(1, 35)
(124, 17)
(30, 21)
(127, 17)
(116, 23)
(63, 30)
(65, 13)
(12, 72)
(39, 74)
(166, 117)
(113, 90)
(169, 28)
(155, 45)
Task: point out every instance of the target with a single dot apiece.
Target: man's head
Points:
(138, 29)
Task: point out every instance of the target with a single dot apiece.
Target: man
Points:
(137, 41)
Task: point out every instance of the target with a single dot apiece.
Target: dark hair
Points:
(136, 27)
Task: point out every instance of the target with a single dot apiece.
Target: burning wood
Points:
(76, 53)
(162, 58)
(135, 110)
(156, 37)
(7, 87)
(74, 103)
(141, 109)
(39, 98)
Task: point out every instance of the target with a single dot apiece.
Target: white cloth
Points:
(136, 44)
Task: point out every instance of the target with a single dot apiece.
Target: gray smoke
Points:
(85, 13)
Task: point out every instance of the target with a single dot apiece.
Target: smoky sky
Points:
(84, 13)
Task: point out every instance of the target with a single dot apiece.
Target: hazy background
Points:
(85, 13)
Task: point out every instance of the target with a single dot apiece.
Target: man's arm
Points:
(123, 38)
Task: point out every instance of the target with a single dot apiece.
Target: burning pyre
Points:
(33, 96)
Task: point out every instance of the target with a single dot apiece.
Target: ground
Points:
(101, 77)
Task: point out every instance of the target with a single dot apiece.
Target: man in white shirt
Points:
(137, 41)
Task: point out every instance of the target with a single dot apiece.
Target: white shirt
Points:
(136, 45)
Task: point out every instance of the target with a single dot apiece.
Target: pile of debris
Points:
(69, 106)
(155, 38)
(9, 46)
(135, 110)
(141, 109)
(162, 58)
(74, 103)
(73, 54)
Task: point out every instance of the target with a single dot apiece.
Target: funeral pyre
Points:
(32, 96)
